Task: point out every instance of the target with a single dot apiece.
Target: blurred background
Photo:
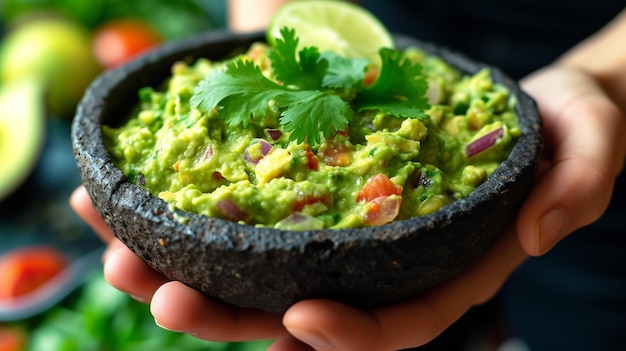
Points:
(52, 293)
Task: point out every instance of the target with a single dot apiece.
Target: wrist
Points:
(603, 58)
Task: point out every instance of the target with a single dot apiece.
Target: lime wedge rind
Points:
(342, 27)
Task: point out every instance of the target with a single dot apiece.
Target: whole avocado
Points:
(57, 52)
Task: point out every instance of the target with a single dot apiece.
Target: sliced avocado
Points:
(55, 50)
(22, 124)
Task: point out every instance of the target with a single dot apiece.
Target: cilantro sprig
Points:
(400, 88)
(312, 91)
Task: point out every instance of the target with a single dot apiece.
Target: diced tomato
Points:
(24, 270)
(383, 209)
(313, 162)
(302, 201)
(12, 338)
(370, 76)
(335, 154)
(120, 40)
(377, 186)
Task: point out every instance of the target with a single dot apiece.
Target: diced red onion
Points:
(231, 210)
(299, 221)
(265, 149)
(273, 134)
(484, 142)
(385, 209)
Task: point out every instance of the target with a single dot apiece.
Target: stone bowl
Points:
(271, 269)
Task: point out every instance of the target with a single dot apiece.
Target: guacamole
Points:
(380, 169)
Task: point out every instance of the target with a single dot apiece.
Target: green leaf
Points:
(301, 70)
(241, 92)
(343, 73)
(399, 89)
(313, 112)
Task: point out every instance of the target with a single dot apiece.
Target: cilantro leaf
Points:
(310, 109)
(400, 88)
(312, 112)
(343, 73)
(242, 94)
(301, 70)
(240, 91)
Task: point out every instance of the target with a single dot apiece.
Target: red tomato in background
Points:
(26, 269)
(118, 41)
(12, 338)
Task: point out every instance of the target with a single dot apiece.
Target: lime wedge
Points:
(338, 26)
(22, 125)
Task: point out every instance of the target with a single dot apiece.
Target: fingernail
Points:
(551, 228)
(139, 298)
(313, 339)
(166, 328)
(160, 325)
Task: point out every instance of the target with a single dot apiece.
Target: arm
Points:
(582, 99)
(251, 15)
(603, 56)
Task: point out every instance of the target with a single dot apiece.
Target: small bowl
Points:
(271, 269)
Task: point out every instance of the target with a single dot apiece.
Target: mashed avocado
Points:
(382, 168)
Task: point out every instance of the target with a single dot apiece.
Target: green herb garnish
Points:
(319, 92)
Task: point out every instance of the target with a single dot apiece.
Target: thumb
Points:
(584, 134)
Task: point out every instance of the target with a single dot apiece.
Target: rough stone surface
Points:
(270, 269)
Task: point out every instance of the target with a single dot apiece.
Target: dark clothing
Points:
(574, 297)
(518, 36)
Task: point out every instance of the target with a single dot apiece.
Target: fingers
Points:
(127, 272)
(288, 343)
(178, 307)
(122, 268)
(174, 305)
(81, 204)
(585, 135)
(329, 325)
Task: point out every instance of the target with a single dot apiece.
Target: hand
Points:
(584, 153)
(323, 324)
(174, 305)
